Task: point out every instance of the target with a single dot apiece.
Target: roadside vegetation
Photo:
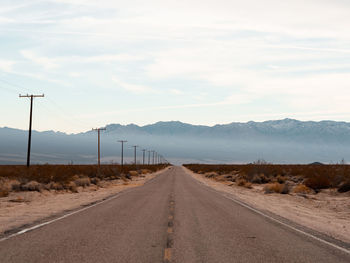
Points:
(66, 177)
(283, 179)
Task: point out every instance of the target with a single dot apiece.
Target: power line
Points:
(30, 122)
(63, 113)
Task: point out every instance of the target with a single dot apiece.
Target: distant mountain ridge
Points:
(286, 128)
(285, 141)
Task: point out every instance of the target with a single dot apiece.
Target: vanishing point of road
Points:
(172, 218)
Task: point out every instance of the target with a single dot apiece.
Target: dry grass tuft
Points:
(302, 189)
(244, 183)
(145, 171)
(133, 173)
(73, 187)
(276, 188)
(55, 186)
(260, 179)
(85, 181)
(33, 186)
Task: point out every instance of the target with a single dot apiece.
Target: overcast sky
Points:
(201, 62)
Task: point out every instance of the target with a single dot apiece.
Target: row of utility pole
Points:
(156, 158)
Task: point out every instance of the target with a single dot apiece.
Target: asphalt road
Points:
(172, 218)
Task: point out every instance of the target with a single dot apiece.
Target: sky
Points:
(201, 62)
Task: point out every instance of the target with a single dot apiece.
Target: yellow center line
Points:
(167, 254)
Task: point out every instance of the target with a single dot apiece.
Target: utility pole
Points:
(30, 121)
(149, 157)
(153, 157)
(98, 143)
(135, 146)
(122, 142)
(143, 156)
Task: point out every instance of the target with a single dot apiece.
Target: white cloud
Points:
(75, 74)
(134, 88)
(7, 65)
(176, 92)
(244, 53)
(46, 62)
(112, 58)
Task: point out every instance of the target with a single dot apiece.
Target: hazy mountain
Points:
(281, 141)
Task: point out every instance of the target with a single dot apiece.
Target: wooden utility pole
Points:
(143, 156)
(98, 143)
(122, 161)
(135, 146)
(30, 121)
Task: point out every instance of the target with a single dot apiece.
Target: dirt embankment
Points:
(327, 212)
(25, 207)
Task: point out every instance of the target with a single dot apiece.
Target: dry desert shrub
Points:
(211, 174)
(33, 186)
(280, 179)
(145, 171)
(260, 179)
(5, 187)
(95, 180)
(318, 182)
(14, 185)
(248, 185)
(276, 188)
(85, 181)
(244, 183)
(344, 187)
(73, 187)
(55, 186)
(315, 176)
(58, 177)
(133, 173)
(302, 189)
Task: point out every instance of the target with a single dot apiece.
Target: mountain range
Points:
(276, 141)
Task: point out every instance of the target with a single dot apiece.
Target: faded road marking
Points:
(170, 231)
(167, 254)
